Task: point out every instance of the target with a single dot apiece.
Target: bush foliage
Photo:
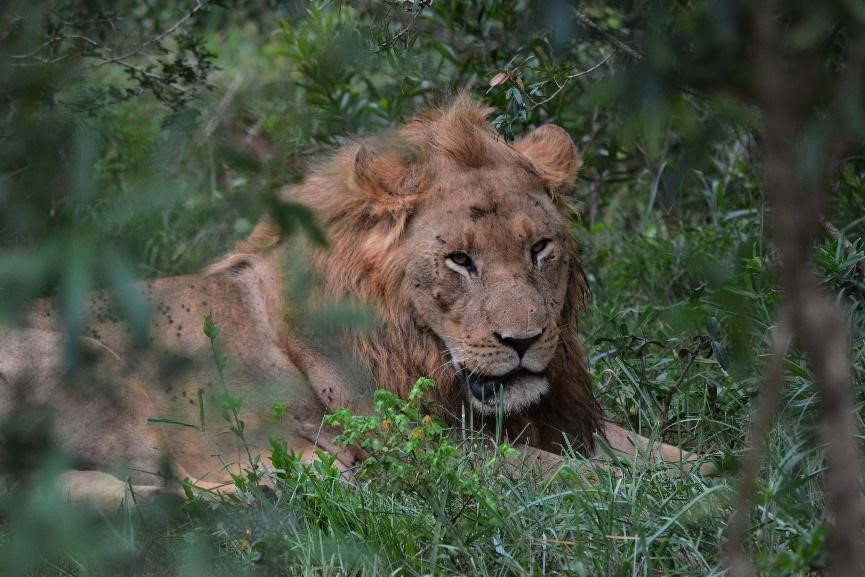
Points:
(140, 139)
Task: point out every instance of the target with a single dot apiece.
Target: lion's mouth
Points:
(485, 389)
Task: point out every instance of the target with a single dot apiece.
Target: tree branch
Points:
(561, 85)
(199, 6)
(787, 83)
(609, 37)
(758, 437)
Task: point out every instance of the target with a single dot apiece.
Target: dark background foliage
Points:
(140, 139)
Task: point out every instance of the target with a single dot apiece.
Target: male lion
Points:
(460, 243)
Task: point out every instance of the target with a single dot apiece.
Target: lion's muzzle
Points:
(516, 391)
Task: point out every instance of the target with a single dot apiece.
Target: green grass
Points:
(681, 307)
(662, 292)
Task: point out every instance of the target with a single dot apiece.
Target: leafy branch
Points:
(514, 76)
(416, 7)
(173, 74)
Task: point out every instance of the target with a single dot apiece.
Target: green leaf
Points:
(211, 329)
(720, 354)
(201, 410)
(159, 421)
(712, 327)
(292, 215)
(229, 404)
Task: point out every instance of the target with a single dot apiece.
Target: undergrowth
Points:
(682, 302)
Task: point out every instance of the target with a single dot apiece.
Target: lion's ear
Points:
(384, 185)
(378, 177)
(553, 153)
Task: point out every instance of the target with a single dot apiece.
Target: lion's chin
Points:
(515, 393)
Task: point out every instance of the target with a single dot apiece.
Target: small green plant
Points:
(403, 439)
(416, 454)
(230, 407)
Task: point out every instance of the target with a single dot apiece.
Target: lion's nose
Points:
(519, 343)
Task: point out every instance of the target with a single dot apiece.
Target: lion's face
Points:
(465, 239)
(488, 273)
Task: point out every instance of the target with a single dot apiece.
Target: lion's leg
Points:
(308, 453)
(106, 492)
(223, 486)
(99, 417)
(549, 464)
(629, 444)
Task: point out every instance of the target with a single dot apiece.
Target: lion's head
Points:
(460, 240)
(486, 259)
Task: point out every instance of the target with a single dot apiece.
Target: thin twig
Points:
(665, 410)
(421, 6)
(199, 6)
(758, 440)
(218, 114)
(37, 50)
(154, 77)
(606, 35)
(833, 230)
(21, 59)
(561, 85)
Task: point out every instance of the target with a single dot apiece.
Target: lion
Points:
(458, 240)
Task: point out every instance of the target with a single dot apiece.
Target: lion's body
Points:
(458, 241)
(175, 373)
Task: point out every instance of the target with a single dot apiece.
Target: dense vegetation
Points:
(140, 139)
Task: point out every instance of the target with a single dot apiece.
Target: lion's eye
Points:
(460, 258)
(539, 246)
